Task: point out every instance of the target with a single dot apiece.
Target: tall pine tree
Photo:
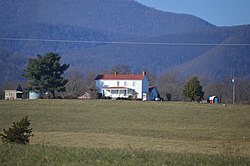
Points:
(45, 74)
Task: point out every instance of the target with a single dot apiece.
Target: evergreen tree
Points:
(193, 89)
(18, 133)
(45, 74)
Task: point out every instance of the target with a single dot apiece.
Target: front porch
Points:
(119, 92)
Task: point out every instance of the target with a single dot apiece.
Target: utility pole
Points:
(233, 82)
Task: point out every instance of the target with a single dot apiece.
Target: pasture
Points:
(104, 132)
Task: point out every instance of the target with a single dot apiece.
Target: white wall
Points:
(132, 84)
(140, 86)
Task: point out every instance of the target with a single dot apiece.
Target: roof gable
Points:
(19, 88)
(120, 77)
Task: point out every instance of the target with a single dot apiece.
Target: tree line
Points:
(46, 74)
(171, 85)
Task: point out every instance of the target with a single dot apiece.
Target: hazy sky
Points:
(218, 12)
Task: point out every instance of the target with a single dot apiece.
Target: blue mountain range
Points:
(97, 34)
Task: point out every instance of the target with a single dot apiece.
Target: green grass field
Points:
(104, 132)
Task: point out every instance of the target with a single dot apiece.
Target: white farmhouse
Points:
(123, 85)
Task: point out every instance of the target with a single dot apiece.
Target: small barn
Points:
(153, 93)
(13, 92)
(86, 95)
(213, 100)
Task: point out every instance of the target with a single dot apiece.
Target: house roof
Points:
(16, 87)
(120, 77)
(150, 88)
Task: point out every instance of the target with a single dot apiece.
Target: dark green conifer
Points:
(45, 74)
(193, 89)
(18, 133)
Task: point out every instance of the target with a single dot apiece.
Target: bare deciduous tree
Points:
(151, 78)
(168, 85)
(224, 90)
(90, 84)
(76, 84)
(121, 69)
(242, 91)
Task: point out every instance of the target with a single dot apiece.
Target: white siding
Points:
(10, 94)
(140, 86)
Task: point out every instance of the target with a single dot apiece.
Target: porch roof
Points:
(16, 87)
(116, 88)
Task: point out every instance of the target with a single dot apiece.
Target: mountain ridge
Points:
(112, 21)
(107, 15)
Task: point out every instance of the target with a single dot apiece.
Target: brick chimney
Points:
(116, 73)
(144, 73)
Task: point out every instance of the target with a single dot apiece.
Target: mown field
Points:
(103, 132)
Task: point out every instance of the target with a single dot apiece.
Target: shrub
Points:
(169, 96)
(19, 132)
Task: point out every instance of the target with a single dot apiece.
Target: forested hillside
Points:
(195, 47)
(122, 16)
(224, 60)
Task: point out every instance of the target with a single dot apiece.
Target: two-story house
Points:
(123, 85)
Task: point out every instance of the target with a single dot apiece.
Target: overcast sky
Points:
(218, 12)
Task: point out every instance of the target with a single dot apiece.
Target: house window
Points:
(125, 83)
(10, 94)
(133, 83)
(114, 92)
(118, 83)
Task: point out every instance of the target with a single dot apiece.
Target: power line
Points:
(123, 42)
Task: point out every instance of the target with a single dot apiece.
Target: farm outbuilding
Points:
(86, 95)
(35, 95)
(213, 100)
(153, 93)
(13, 92)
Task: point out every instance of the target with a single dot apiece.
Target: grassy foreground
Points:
(49, 155)
(98, 132)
